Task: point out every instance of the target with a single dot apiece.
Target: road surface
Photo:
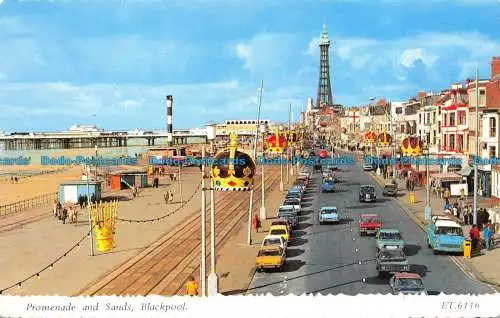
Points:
(335, 259)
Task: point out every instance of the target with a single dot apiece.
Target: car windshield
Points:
(455, 231)
(282, 222)
(370, 219)
(409, 284)
(390, 236)
(272, 241)
(291, 202)
(393, 255)
(368, 189)
(269, 253)
(277, 232)
(328, 211)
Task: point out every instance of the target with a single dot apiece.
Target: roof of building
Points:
(80, 182)
(130, 172)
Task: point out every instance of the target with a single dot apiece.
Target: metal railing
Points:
(19, 206)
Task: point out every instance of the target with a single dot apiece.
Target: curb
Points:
(463, 265)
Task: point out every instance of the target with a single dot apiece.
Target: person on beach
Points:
(191, 287)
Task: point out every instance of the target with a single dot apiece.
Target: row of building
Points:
(445, 121)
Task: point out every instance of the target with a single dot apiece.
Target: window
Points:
(446, 123)
(460, 143)
(439, 127)
(434, 138)
(452, 142)
(493, 127)
(434, 117)
(419, 119)
(492, 152)
(428, 121)
(461, 118)
(452, 119)
(482, 98)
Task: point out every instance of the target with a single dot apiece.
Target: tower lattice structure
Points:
(324, 85)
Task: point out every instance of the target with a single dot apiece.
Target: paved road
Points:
(334, 259)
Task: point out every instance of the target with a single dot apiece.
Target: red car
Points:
(369, 224)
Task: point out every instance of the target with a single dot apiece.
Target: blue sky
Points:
(63, 61)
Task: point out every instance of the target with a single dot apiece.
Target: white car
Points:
(274, 240)
(293, 202)
(367, 167)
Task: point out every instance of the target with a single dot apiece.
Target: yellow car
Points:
(280, 230)
(270, 257)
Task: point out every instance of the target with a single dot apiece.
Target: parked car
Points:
(289, 213)
(281, 230)
(407, 283)
(328, 185)
(297, 188)
(445, 235)
(282, 222)
(333, 167)
(300, 183)
(293, 202)
(294, 195)
(367, 166)
(328, 214)
(367, 193)
(389, 239)
(270, 257)
(369, 224)
(390, 190)
(392, 261)
(274, 240)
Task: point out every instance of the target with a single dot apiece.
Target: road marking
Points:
(356, 250)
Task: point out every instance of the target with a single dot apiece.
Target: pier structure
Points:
(70, 140)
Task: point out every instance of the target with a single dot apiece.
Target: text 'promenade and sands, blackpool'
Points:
(351, 200)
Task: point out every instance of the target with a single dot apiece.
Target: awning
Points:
(447, 177)
(465, 172)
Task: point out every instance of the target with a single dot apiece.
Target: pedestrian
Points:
(170, 196)
(256, 222)
(447, 194)
(191, 287)
(166, 197)
(487, 237)
(475, 236)
(492, 233)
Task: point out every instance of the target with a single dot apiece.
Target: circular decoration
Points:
(412, 146)
(276, 143)
(233, 170)
(384, 139)
(322, 153)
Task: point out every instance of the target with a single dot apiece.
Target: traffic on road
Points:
(338, 231)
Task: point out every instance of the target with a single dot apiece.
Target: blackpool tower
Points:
(324, 85)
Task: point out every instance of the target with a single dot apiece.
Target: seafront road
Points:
(335, 259)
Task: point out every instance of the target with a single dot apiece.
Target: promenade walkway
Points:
(483, 267)
(29, 247)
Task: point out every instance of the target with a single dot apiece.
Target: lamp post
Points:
(254, 153)
(428, 208)
(282, 187)
(263, 212)
(477, 148)
(213, 279)
(91, 235)
(203, 267)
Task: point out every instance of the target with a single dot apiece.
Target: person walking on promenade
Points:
(170, 196)
(191, 287)
(256, 223)
(474, 236)
(166, 196)
(487, 237)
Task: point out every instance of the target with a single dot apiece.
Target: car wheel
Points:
(280, 269)
(381, 274)
(436, 252)
(361, 234)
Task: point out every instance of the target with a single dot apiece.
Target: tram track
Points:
(162, 268)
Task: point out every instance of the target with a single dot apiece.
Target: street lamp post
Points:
(203, 273)
(477, 148)
(91, 235)
(263, 212)
(213, 279)
(428, 207)
(282, 187)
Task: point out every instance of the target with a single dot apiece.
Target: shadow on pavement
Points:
(411, 250)
(305, 205)
(297, 242)
(419, 269)
(376, 280)
(116, 198)
(294, 252)
(292, 265)
(352, 183)
(303, 226)
(382, 200)
(307, 200)
(341, 191)
(303, 218)
(345, 221)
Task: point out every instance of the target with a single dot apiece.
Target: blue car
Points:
(328, 185)
(445, 235)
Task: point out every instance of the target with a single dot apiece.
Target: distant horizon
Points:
(61, 63)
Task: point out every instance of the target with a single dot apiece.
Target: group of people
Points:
(84, 199)
(488, 232)
(14, 179)
(169, 197)
(62, 213)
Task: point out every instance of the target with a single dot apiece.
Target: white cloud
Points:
(28, 105)
(410, 56)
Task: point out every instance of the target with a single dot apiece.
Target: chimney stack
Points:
(495, 67)
(170, 104)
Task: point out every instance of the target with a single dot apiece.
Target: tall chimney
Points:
(495, 66)
(170, 104)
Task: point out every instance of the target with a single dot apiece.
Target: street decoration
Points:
(370, 136)
(233, 170)
(104, 219)
(323, 153)
(412, 146)
(384, 139)
(277, 143)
